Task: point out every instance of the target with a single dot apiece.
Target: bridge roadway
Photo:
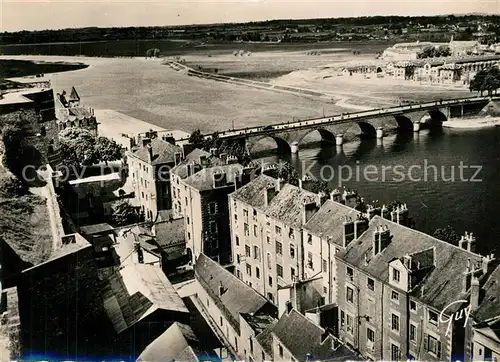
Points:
(349, 117)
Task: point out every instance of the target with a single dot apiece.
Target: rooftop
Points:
(440, 285)
(328, 220)
(204, 179)
(237, 297)
(178, 342)
(301, 336)
(181, 169)
(19, 96)
(170, 233)
(253, 192)
(136, 291)
(162, 152)
(96, 229)
(489, 307)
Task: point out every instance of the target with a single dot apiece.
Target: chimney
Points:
(269, 194)
(288, 306)
(474, 294)
(381, 238)
(308, 210)
(360, 226)
(189, 168)
(219, 179)
(322, 198)
(462, 243)
(314, 315)
(150, 151)
(336, 196)
(177, 158)
(348, 234)
(384, 212)
(204, 161)
(223, 157)
(280, 183)
(487, 263)
(145, 141)
(350, 198)
(471, 242)
(68, 239)
(370, 212)
(213, 151)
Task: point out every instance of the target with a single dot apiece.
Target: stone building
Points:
(391, 293)
(206, 212)
(149, 166)
(34, 109)
(70, 113)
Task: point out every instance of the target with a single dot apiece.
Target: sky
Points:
(56, 14)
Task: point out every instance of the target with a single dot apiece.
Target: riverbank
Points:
(13, 68)
(472, 123)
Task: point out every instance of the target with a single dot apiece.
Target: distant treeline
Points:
(189, 31)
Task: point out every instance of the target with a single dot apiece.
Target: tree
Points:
(196, 138)
(125, 214)
(153, 53)
(486, 80)
(447, 234)
(108, 150)
(443, 51)
(77, 146)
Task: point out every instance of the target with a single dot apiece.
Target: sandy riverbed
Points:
(472, 123)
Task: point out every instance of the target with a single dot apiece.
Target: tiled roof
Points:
(79, 112)
(194, 157)
(170, 233)
(327, 221)
(96, 229)
(136, 291)
(439, 288)
(287, 205)
(253, 192)
(178, 342)
(489, 307)
(237, 297)
(301, 336)
(163, 152)
(203, 180)
(265, 338)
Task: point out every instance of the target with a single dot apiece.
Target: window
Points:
(221, 321)
(309, 239)
(279, 270)
(245, 214)
(395, 323)
(396, 275)
(279, 248)
(413, 333)
(187, 219)
(370, 335)
(277, 230)
(370, 283)
(309, 260)
(189, 235)
(270, 281)
(255, 230)
(349, 323)
(235, 217)
(236, 344)
(263, 356)
(249, 269)
(413, 306)
(213, 227)
(395, 296)
(257, 272)
(342, 318)
(256, 252)
(254, 213)
(268, 238)
(433, 346)
(247, 251)
(292, 273)
(186, 200)
(292, 251)
(433, 317)
(280, 349)
(349, 272)
(291, 234)
(349, 295)
(238, 260)
(246, 229)
(251, 345)
(269, 264)
(237, 241)
(395, 353)
(325, 265)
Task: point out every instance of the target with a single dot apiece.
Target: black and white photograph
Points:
(249, 180)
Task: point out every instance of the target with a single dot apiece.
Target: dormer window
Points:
(396, 275)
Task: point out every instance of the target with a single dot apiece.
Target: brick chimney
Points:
(308, 210)
(269, 194)
(348, 234)
(474, 293)
(381, 239)
(360, 225)
(336, 196)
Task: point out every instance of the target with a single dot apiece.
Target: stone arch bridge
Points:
(371, 123)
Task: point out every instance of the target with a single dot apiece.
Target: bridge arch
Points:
(281, 144)
(367, 129)
(404, 122)
(435, 118)
(325, 134)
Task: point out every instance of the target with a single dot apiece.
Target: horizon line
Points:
(483, 14)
